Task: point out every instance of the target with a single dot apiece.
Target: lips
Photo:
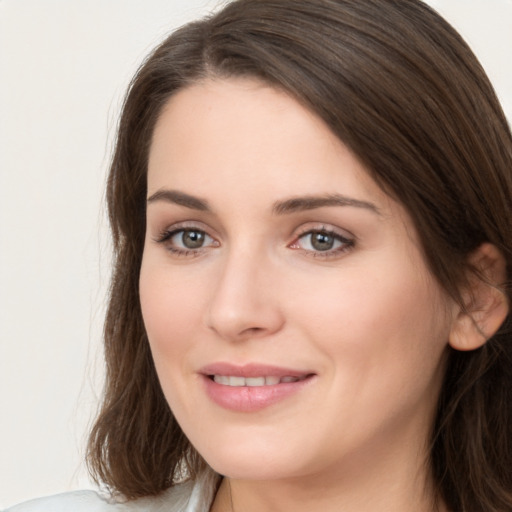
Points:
(252, 387)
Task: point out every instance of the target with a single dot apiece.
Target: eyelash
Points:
(346, 244)
(166, 236)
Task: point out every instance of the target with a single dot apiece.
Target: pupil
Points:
(192, 239)
(322, 241)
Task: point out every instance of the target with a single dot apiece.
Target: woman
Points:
(310, 204)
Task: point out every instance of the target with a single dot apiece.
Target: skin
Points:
(365, 317)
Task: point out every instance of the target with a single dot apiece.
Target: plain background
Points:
(64, 66)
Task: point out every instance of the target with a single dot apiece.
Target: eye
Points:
(185, 241)
(322, 242)
(190, 239)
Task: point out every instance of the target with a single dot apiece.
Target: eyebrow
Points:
(179, 198)
(294, 204)
(305, 203)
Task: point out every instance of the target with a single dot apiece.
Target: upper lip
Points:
(252, 370)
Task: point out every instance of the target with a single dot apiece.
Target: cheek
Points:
(171, 308)
(379, 329)
(365, 304)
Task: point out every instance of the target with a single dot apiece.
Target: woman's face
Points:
(295, 327)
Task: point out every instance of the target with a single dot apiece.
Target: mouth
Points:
(268, 380)
(253, 387)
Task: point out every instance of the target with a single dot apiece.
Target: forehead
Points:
(243, 113)
(242, 128)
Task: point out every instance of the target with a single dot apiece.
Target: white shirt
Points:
(191, 496)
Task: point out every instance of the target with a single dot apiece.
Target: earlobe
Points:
(486, 305)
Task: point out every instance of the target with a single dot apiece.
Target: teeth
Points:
(236, 381)
(230, 380)
(255, 381)
(289, 379)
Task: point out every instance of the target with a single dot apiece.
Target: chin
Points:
(255, 461)
(256, 469)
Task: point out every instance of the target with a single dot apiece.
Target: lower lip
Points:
(252, 398)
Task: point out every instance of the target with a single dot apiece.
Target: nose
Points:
(244, 303)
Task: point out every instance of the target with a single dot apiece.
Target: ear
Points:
(485, 303)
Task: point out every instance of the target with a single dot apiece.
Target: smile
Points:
(237, 381)
(252, 387)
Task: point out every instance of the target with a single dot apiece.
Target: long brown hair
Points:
(403, 91)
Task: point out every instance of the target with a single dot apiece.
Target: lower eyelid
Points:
(333, 252)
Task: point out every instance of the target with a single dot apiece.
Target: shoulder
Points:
(189, 496)
(78, 501)
(90, 501)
